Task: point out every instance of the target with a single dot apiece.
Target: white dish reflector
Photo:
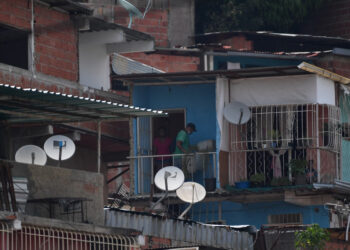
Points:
(237, 113)
(174, 175)
(191, 192)
(31, 154)
(52, 147)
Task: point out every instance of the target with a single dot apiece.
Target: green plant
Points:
(274, 15)
(298, 166)
(314, 237)
(257, 178)
(274, 134)
(282, 181)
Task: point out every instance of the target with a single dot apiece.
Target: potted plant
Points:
(281, 181)
(314, 237)
(243, 183)
(257, 180)
(298, 167)
(275, 136)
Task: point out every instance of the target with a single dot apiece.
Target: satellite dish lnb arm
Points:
(189, 207)
(166, 176)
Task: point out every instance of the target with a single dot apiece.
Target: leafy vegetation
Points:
(298, 166)
(314, 237)
(257, 179)
(272, 15)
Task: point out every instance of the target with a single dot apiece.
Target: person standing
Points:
(161, 146)
(183, 145)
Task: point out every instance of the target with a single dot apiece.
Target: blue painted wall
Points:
(197, 100)
(257, 213)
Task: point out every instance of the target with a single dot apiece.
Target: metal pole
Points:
(99, 146)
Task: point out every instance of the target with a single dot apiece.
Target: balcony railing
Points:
(276, 135)
(198, 167)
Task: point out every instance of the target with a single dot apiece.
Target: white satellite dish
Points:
(133, 11)
(173, 176)
(31, 154)
(168, 179)
(190, 192)
(59, 147)
(237, 113)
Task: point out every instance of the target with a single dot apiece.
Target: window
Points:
(285, 219)
(13, 47)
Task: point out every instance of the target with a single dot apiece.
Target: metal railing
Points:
(200, 167)
(31, 237)
(277, 134)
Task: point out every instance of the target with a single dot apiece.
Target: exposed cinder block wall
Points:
(50, 182)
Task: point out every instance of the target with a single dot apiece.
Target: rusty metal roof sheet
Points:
(220, 236)
(200, 77)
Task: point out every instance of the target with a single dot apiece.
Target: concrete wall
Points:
(50, 182)
(181, 22)
(94, 60)
(257, 213)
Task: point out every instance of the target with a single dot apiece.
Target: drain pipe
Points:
(32, 23)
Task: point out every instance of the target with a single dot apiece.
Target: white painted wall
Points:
(94, 68)
(325, 91)
(281, 90)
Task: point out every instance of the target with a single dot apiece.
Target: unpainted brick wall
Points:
(156, 24)
(336, 64)
(55, 36)
(333, 19)
(337, 245)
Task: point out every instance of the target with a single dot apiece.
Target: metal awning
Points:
(200, 77)
(28, 105)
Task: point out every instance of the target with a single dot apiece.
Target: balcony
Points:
(287, 145)
(198, 167)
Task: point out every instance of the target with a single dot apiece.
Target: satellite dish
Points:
(171, 175)
(133, 11)
(31, 154)
(168, 179)
(59, 147)
(237, 113)
(190, 192)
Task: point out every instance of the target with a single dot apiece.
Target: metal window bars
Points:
(276, 134)
(36, 237)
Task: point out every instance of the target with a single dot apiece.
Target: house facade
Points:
(301, 108)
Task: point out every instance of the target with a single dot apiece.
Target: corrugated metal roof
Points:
(335, 41)
(97, 24)
(28, 105)
(220, 236)
(70, 6)
(200, 77)
(122, 65)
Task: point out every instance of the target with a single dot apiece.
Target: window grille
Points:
(43, 238)
(277, 134)
(285, 219)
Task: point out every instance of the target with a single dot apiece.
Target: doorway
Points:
(173, 123)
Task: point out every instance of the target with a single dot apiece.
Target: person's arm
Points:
(179, 145)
